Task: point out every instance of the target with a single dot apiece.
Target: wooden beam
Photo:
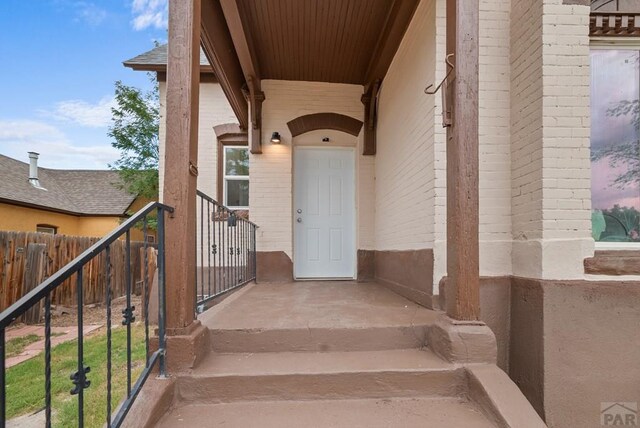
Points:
(395, 26)
(463, 272)
(181, 160)
(315, 121)
(243, 43)
(370, 101)
(241, 40)
(219, 50)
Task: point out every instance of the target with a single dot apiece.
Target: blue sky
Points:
(59, 60)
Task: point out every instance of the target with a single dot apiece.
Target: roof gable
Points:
(80, 192)
(156, 60)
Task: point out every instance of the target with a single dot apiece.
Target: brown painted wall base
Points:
(495, 295)
(366, 265)
(526, 347)
(408, 273)
(273, 266)
(613, 263)
(570, 345)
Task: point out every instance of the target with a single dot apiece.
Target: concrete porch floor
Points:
(316, 304)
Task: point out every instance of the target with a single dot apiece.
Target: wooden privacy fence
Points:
(27, 258)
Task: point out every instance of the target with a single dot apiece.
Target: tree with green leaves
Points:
(134, 129)
(625, 153)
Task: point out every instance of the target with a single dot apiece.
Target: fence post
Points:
(35, 273)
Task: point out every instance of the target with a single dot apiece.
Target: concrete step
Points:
(329, 375)
(368, 413)
(316, 316)
(319, 339)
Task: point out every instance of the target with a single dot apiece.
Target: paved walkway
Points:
(58, 335)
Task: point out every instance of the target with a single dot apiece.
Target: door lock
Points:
(299, 211)
(299, 220)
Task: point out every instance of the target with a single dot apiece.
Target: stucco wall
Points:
(23, 219)
(573, 345)
(591, 331)
(271, 172)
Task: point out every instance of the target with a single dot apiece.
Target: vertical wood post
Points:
(34, 274)
(463, 267)
(181, 160)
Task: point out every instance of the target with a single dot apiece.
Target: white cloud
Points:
(90, 13)
(83, 113)
(17, 137)
(149, 13)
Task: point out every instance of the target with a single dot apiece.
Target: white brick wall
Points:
(271, 171)
(550, 139)
(214, 110)
(405, 173)
(412, 148)
(495, 144)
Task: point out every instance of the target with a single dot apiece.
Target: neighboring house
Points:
(68, 202)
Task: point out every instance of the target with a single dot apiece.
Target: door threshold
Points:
(322, 278)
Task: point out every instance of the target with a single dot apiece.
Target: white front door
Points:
(324, 213)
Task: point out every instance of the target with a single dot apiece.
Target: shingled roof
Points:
(156, 60)
(79, 192)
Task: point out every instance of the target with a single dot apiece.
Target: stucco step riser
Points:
(384, 384)
(319, 339)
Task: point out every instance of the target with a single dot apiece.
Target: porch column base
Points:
(462, 341)
(186, 347)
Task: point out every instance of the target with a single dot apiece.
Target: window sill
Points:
(614, 261)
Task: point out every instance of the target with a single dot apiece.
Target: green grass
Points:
(16, 345)
(25, 381)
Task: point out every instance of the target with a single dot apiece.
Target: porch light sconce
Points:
(275, 138)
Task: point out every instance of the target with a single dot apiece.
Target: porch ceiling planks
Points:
(338, 41)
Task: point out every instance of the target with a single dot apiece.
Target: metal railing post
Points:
(161, 294)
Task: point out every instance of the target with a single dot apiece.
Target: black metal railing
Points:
(81, 378)
(225, 250)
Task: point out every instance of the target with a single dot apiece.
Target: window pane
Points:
(237, 193)
(615, 154)
(236, 161)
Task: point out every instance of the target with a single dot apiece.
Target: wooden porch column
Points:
(181, 160)
(463, 267)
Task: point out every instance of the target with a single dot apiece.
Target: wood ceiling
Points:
(311, 40)
(320, 40)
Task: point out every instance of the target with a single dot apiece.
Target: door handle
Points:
(299, 220)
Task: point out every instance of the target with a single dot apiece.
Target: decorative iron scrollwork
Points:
(79, 379)
(127, 315)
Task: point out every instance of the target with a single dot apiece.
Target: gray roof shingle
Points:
(82, 192)
(156, 59)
